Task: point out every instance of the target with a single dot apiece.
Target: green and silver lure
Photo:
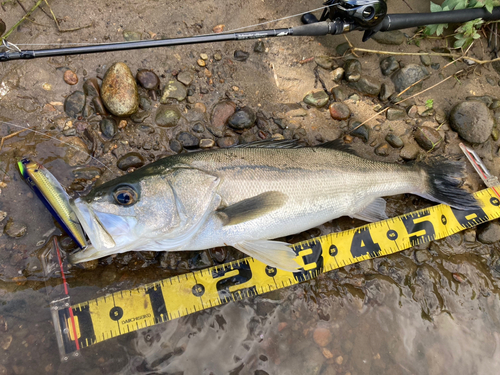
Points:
(54, 197)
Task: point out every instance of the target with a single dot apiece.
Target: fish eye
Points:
(125, 196)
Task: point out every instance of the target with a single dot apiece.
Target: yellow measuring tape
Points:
(106, 317)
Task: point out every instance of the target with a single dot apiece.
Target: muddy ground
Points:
(427, 310)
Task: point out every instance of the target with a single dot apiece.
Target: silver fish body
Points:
(243, 197)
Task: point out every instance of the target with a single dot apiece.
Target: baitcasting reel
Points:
(364, 14)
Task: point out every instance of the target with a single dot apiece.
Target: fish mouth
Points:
(107, 232)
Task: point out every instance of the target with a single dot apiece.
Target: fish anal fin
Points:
(251, 208)
(375, 211)
(273, 253)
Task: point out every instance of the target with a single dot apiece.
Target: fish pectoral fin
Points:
(375, 211)
(273, 253)
(251, 208)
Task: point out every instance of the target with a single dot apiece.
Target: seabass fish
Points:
(244, 197)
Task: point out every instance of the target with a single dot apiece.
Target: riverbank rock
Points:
(220, 114)
(167, 116)
(173, 90)
(407, 76)
(242, 119)
(316, 98)
(472, 120)
(119, 90)
(394, 38)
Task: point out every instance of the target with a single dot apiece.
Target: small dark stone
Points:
(240, 55)
(395, 114)
(259, 47)
(144, 103)
(339, 111)
(389, 65)
(203, 90)
(382, 150)
(188, 140)
(409, 75)
(394, 37)
(394, 140)
(352, 70)
(99, 106)
(147, 79)
(339, 93)
(472, 120)
(317, 98)
(198, 128)
(175, 146)
(130, 160)
(242, 119)
(367, 85)
(337, 74)
(108, 127)
(385, 92)
(489, 233)
(74, 103)
(425, 59)
(342, 48)
(91, 87)
(140, 116)
(363, 132)
(326, 62)
(409, 152)
(436, 66)
(428, 138)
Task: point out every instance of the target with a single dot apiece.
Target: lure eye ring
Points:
(125, 196)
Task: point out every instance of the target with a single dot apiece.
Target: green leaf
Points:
(430, 30)
(489, 7)
(440, 28)
(435, 7)
(459, 43)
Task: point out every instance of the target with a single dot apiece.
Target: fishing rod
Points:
(339, 16)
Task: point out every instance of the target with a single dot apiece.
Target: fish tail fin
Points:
(444, 184)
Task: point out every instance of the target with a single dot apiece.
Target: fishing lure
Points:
(54, 197)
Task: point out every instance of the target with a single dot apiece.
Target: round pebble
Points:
(201, 62)
(339, 111)
(70, 77)
(394, 140)
(322, 336)
(188, 140)
(175, 145)
(207, 143)
(203, 56)
(167, 116)
(428, 138)
(108, 127)
(74, 103)
(242, 119)
(130, 160)
(382, 150)
(316, 98)
(119, 90)
(147, 79)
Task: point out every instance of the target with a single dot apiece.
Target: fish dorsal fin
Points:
(375, 211)
(285, 143)
(251, 208)
(338, 145)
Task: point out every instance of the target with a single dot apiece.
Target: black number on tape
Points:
(87, 334)
(362, 244)
(419, 229)
(470, 218)
(244, 274)
(157, 303)
(312, 256)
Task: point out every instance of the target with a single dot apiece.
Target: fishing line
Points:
(58, 140)
(228, 31)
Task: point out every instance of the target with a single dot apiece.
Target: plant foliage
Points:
(468, 31)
